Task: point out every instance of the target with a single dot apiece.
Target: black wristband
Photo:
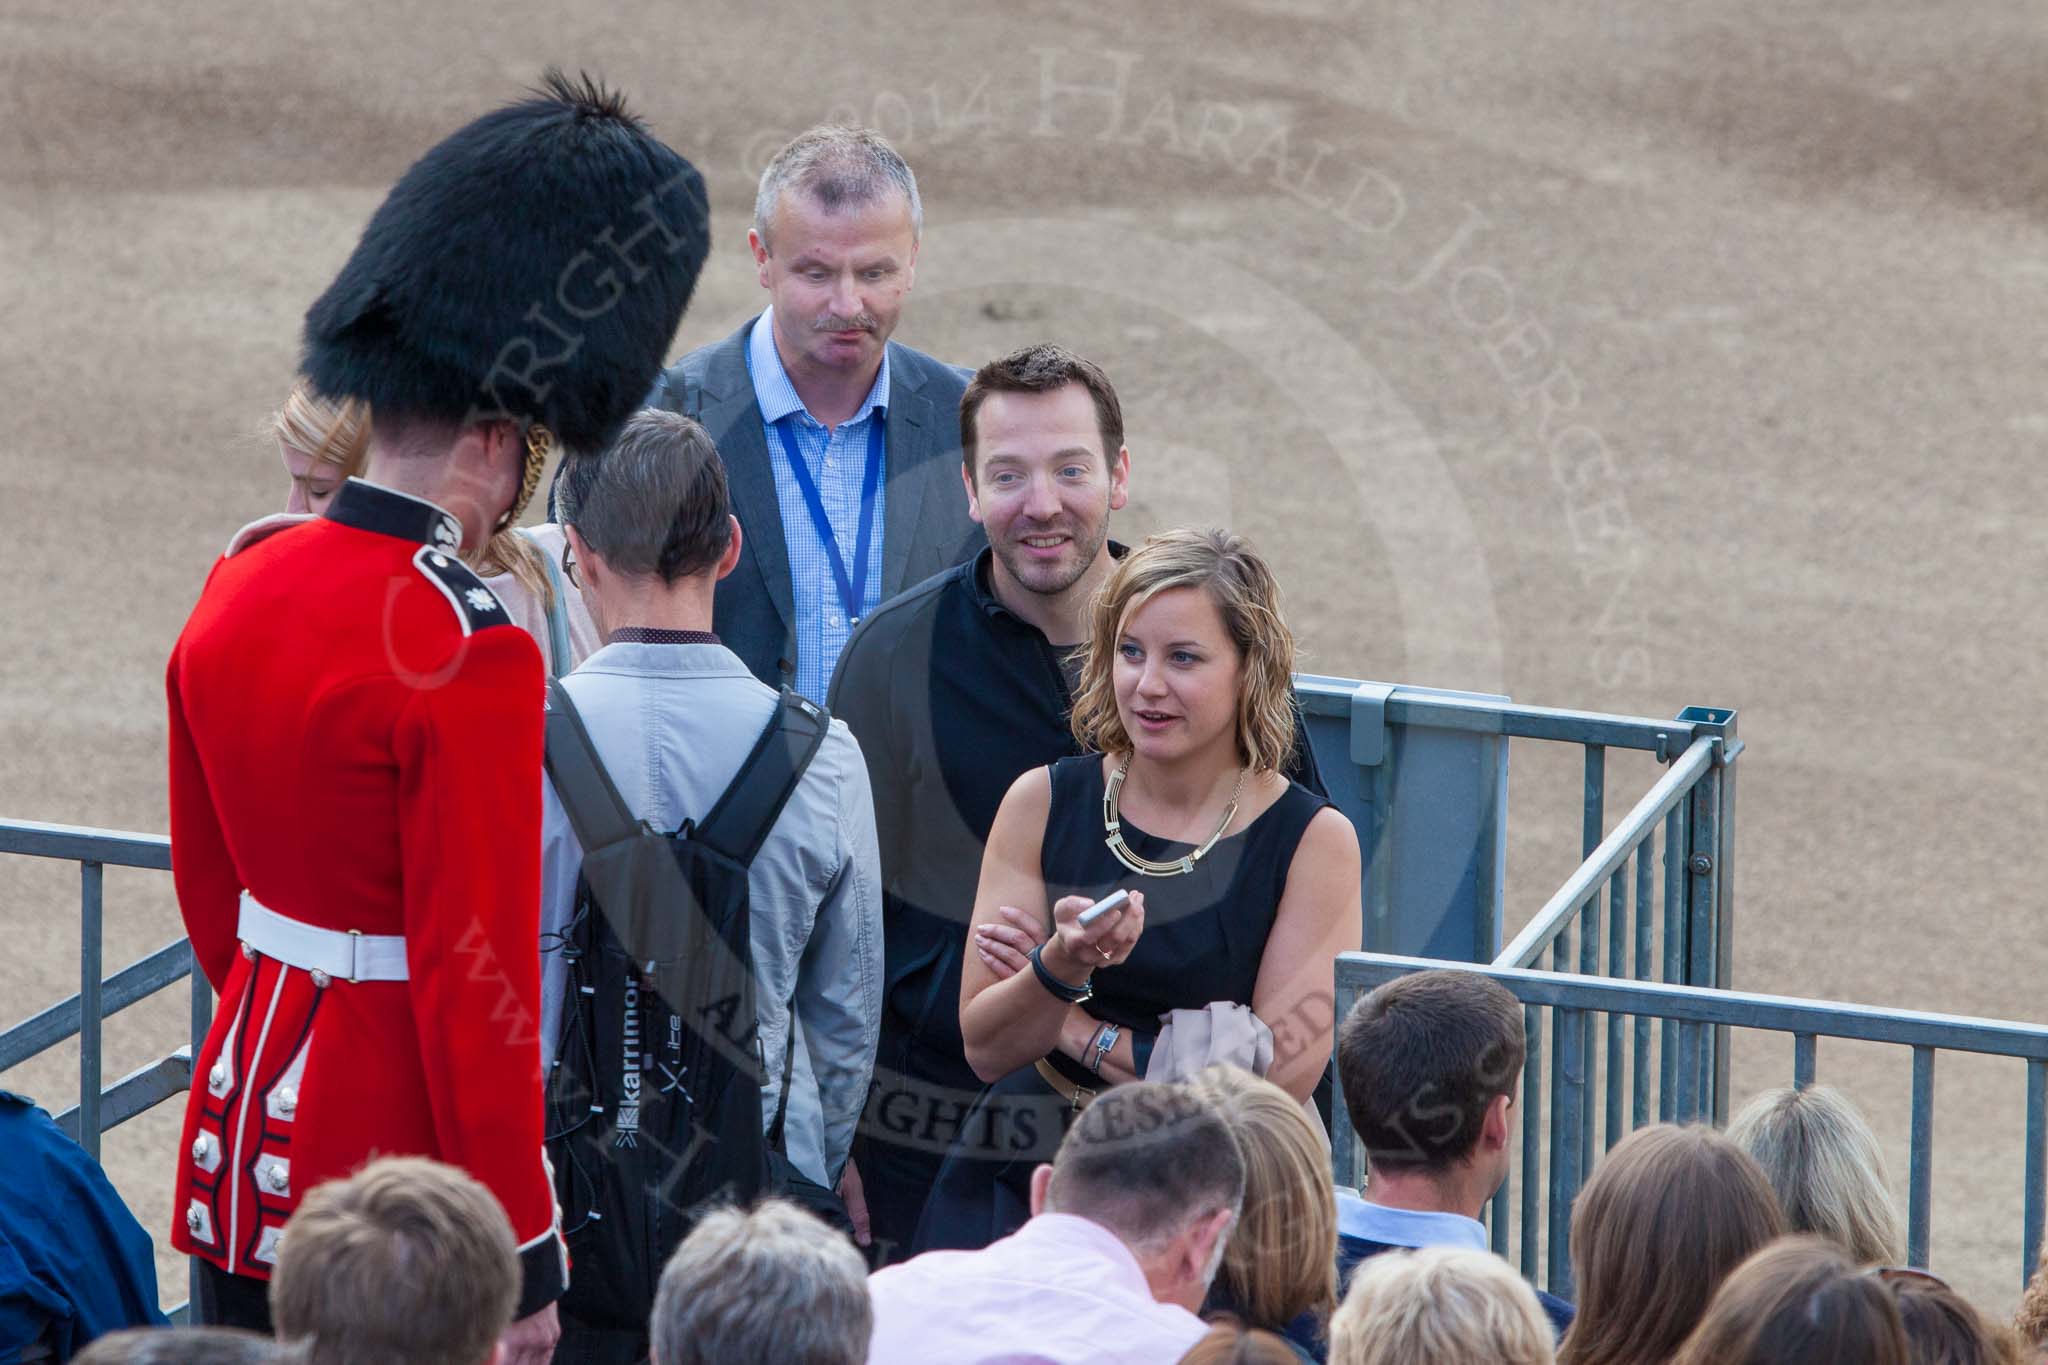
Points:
(1073, 995)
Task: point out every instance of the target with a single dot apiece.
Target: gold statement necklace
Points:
(1145, 866)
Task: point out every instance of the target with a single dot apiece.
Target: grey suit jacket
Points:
(925, 527)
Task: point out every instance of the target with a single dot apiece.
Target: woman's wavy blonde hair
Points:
(1281, 1260)
(1238, 581)
(339, 434)
(328, 432)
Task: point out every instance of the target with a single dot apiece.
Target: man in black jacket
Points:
(954, 689)
(837, 442)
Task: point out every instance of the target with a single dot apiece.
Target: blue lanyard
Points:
(850, 588)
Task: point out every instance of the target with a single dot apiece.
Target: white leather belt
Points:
(339, 954)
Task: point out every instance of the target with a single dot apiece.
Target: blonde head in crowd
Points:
(1281, 1260)
(322, 444)
(1439, 1306)
(1824, 1164)
(1238, 581)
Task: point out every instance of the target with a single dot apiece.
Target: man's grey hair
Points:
(841, 168)
(1146, 1160)
(185, 1346)
(654, 501)
(773, 1283)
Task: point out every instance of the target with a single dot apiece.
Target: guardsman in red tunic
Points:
(355, 722)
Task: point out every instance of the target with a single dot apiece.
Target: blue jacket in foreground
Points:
(74, 1263)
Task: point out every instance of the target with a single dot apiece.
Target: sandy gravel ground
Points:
(1619, 357)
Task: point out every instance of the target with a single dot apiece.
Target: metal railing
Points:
(84, 1015)
(1692, 1016)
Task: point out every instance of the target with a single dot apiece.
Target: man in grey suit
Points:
(841, 446)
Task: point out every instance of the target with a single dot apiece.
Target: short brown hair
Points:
(1667, 1216)
(1420, 1060)
(406, 1262)
(652, 502)
(1238, 581)
(1798, 1300)
(1042, 368)
(1281, 1260)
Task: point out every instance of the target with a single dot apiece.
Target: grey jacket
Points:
(672, 724)
(925, 526)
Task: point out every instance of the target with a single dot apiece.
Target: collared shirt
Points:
(672, 724)
(656, 635)
(1365, 1229)
(1061, 1290)
(837, 461)
(1369, 1222)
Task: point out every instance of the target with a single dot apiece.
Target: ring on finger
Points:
(1105, 953)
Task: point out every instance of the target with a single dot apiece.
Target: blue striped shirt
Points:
(837, 460)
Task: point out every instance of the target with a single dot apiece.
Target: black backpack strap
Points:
(739, 824)
(596, 810)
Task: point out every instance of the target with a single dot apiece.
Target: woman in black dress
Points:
(1244, 886)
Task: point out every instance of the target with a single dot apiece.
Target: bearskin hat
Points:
(533, 265)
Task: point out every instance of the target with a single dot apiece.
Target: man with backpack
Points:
(711, 928)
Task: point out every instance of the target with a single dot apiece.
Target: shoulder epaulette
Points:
(476, 606)
(263, 528)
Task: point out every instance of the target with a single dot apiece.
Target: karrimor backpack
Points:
(654, 1099)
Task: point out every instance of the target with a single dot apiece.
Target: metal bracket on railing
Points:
(1717, 722)
(1369, 724)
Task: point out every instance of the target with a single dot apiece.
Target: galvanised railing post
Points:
(1920, 1159)
(1593, 828)
(91, 878)
(1639, 1099)
(2037, 1134)
(1711, 917)
(1805, 1049)
(1532, 1139)
(1617, 966)
(1703, 870)
(1674, 955)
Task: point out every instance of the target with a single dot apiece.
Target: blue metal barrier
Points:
(1691, 1015)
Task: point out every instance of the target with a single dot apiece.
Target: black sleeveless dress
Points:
(1205, 934)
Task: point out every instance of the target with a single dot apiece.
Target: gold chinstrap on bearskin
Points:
(540, 444)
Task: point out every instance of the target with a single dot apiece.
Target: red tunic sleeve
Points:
(208, 885)
(468, 748)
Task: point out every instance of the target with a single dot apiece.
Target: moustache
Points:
(863, 322)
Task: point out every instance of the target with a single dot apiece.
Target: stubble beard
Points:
(1051, 580)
